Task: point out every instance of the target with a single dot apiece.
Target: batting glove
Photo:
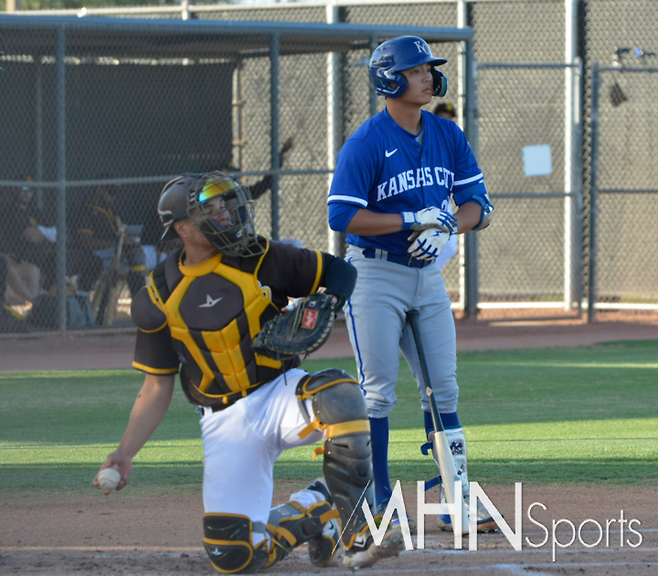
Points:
(428, 244)
(431, 217)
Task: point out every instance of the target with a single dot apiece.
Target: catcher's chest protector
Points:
(213, 312)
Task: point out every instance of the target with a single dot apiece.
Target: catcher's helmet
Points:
(221, 209)
(401, 54)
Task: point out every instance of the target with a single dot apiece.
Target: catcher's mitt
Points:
(301, 331)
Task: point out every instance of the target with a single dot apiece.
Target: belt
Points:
(402, 259)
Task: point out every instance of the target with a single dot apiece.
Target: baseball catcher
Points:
(212, 312)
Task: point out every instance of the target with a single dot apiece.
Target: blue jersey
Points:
(384, 169)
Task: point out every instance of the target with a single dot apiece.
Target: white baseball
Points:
(108, 479)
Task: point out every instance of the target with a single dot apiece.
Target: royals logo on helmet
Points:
(422, 47)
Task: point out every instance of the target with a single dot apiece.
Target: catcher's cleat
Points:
(395, 519)
(364, 552)
(485, 523)
(322, 549)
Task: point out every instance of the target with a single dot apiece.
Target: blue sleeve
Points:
(467, 171)
(355, 174)
(340, 215)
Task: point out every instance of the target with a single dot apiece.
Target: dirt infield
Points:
(88, 350)
(615, 529)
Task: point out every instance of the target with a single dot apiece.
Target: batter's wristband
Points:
(408, 220)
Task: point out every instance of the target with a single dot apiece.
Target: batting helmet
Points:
(208, 199)
(401, 54)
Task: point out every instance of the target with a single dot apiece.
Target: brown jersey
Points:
(202, 319)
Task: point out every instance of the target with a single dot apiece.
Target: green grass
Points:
(585, 415)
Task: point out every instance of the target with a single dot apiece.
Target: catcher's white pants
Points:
(241, 444)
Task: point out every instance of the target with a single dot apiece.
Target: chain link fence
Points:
(624, 190)
(101, 113)
(534, 89)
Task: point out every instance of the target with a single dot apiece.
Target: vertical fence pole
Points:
(471, 240)
(38, 128)
(462, 22)
(61, 177)
(274, 132)
(591, 296)
(374, 42)
(336, 242)
(570, 162)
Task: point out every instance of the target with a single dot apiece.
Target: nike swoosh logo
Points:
(388, 154)
(209, 302)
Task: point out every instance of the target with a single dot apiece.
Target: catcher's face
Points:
(214, 209)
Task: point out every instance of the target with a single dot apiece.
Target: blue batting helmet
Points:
(401, 54)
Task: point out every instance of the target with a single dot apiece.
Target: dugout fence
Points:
(534, 57)
(99, 113)
(624, 194)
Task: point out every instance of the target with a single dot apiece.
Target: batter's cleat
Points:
(364, 552)
(395, 519)
(485, 523)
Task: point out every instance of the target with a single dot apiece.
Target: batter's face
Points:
(420, 85)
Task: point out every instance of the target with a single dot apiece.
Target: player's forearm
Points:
(367, 223)
(468, 215)
(149, 409)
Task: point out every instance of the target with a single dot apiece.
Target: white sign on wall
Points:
(537, 160)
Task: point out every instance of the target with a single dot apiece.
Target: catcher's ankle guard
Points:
(228, 544)
(340, 411)
(292, 525)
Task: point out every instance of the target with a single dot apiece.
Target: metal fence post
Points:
(61, 177)
(591, 295)
(274, 133)
(471, 241)
(336, 240)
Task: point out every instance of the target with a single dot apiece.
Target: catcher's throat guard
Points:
(299, 332)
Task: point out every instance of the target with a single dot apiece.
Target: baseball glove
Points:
(300, 331)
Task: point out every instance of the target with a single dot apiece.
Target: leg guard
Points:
(228, 543)
(457, 442)
(340, 409)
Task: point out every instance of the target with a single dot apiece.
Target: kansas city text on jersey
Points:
(408, 181)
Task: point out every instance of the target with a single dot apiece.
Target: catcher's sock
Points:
(379, 440)
(449, 420)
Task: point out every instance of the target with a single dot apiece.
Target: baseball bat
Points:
(440, 446)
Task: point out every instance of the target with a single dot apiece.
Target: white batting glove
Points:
(431, 217)
(428, 244)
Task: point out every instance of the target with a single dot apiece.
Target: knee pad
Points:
(340, 410)
(228, 543)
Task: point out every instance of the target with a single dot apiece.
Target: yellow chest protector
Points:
(214, 312)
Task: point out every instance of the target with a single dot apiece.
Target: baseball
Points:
(108, 479)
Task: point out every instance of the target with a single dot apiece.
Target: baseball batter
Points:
(198, 317)
(391, 191)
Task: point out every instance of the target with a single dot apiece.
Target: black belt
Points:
(402, 259)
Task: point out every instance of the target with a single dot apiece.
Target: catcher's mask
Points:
(218, 207)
